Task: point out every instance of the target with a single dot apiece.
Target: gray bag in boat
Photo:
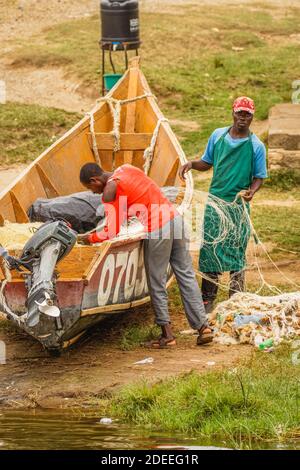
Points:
(82, 210)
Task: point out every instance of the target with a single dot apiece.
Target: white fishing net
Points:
(254, 319)
(13, 236)
(246, 317)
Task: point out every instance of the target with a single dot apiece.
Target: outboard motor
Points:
(51, 242)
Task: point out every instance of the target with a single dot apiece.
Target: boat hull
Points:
(116, 282)
(96, 281)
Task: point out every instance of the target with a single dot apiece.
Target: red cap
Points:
(243, 103)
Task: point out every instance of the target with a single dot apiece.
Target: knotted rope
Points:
(115, 109)
(149, 151)
(94, 141)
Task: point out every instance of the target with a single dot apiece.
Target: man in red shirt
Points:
(129, 192)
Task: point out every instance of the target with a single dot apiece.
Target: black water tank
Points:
(120, 23)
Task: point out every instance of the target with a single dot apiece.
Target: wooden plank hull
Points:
(100, 280)
(116, 283)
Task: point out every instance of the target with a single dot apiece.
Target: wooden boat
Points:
(100, 280)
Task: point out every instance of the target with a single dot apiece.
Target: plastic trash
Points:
(241, 320)
(105, 421)
(226, 340)
(210, 363)
(2, 353)
(148, 360)
(3, 252)
(269, 350)
(258, 340)
(268, 343)
(189, 332)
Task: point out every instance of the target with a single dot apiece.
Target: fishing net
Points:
(246, 317)
(254, 319)
(14, 236)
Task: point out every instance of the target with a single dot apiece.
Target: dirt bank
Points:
(8, 174)
(98, 365)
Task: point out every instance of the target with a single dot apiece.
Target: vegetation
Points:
(256, 401)
(27, 130)
(213, 55)
(283, 180)
(280, 225)
(134, 335)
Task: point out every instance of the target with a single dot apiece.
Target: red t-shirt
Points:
(137, 195)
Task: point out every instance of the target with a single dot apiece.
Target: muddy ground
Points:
(97, 365)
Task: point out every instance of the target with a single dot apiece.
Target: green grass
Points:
(258, 401)
(283, 180)
(7, 327)
(27, 130)
(136, 334)
(190, 65)
(196, 76)
(280, 225)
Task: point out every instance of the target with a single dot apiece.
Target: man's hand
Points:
(83, 239)
(247, 195)
(184, 169)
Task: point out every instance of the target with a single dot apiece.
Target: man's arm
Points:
(110, 192)
(198, 165)
(114, 219)
(207, 159)
(259, 170)
(255, 186)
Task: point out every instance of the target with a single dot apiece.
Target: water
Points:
(32, 430)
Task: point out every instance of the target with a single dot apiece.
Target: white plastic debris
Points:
(226, 340)
(147, 360)
(258, 339)
(2, 353)
(189, 332)
(210, 363)
(270, 318)
(105, 421)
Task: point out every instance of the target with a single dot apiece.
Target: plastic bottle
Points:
(241, 320)
(266, 344)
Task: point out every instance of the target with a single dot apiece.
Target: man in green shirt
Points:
(238, 159)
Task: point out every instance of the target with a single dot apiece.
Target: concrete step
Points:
(284, 127)
(281, 158)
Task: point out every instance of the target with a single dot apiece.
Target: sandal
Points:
(206, 335)
(161, 343)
